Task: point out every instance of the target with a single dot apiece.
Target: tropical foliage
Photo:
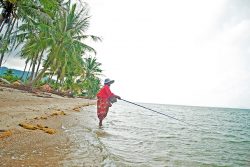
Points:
(15, 12)
(9, 75)
(51, 35)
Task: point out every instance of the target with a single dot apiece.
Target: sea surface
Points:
(134, 136)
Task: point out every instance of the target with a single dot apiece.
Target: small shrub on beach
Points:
(9, 76)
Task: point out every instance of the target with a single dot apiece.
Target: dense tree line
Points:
(51, 36)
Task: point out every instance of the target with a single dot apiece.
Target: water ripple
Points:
(134, 137)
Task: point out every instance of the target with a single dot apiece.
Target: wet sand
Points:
(44, 111)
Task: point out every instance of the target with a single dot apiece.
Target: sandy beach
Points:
(31, 127)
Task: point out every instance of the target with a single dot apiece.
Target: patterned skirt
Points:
(102, 107)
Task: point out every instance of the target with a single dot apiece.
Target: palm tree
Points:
(33, 50)
(91, 67)
(54, 39)
(91, 86)
(91, 83)
(66, 40)
(22, 11)
(26, 10)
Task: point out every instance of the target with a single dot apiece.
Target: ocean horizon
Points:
(189, 105)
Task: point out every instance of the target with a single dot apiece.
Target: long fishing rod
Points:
(155, 111)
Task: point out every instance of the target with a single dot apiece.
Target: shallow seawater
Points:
(133, 136)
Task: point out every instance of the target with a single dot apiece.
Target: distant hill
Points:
(17, 73)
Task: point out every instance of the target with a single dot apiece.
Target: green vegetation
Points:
(9, 76)
(51, 35)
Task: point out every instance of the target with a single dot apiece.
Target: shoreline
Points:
(46, 113)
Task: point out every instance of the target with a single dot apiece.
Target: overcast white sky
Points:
(193, 52)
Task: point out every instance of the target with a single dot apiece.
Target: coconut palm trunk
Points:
(26, 62)
(3, 45)
(29, 70)
(39, 76)
(7, 36)
(39, 63)
(1, 22)
(33, 68)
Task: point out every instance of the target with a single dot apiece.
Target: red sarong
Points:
(103, 105)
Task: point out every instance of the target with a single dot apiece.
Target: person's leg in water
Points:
(103, 116)
(100, 122)
(100, 110)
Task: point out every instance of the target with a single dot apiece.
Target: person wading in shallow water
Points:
(105, 98)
